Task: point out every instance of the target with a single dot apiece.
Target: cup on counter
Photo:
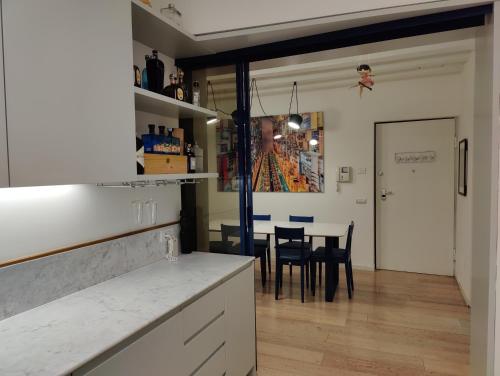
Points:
(151, 211)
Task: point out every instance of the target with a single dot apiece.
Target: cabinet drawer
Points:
(202, 312)
(215, 365)
(164, 164)
(200, 348)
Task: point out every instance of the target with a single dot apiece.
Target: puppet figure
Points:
(365, 78)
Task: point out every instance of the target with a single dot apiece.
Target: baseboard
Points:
(462, 291)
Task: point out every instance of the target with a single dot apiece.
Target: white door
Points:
(415, 196)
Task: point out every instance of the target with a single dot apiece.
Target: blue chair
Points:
(227, 246)
(342, 256)
(302, 219)
(299, 256)
(264, 245)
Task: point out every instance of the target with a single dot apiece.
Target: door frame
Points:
(375, 124)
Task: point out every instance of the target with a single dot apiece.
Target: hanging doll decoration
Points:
(365, 78)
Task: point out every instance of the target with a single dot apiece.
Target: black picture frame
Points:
(463, 149)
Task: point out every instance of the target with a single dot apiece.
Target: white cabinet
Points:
(4, 161)
(240, 323)
(70, 102)
(159, 352)
(213, 336)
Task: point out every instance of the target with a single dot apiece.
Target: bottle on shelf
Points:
(175, 142)
(198, 153)
(196, 93)
(144, 81)
(169, 90)
(191, 159)
(162, 143)
(155, 71)
(149, 139)
(182, 92)
(137, 76)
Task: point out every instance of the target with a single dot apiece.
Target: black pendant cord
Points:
(294, 90)
(209, 85)
(254, 84)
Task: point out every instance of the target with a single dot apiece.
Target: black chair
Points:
(299, 256)
(264, 244)
(227, 246)
(301, 219)
(341, 256)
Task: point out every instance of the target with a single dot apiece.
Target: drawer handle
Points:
(206, 360)
(203, 328)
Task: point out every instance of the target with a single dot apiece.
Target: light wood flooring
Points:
(396, 324)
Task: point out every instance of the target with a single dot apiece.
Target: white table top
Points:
(267, 227)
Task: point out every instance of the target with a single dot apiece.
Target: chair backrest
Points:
(301, 218)
(348, 242)
(262, 217)
(229, 232)
(288, 234)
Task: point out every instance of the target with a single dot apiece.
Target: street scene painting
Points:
(283, 159)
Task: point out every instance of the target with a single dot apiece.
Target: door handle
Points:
(384, 193)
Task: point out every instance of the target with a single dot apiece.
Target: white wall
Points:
(349, 140)
(38, 219)
(465, 129)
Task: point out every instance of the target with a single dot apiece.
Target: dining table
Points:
(332, 232)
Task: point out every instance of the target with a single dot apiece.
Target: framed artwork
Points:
(283, 159)
(462, 167)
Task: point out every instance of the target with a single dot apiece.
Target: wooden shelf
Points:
(148, 101)
(151, 28)
(173, 177)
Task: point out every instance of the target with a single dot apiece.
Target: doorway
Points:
(414, 196)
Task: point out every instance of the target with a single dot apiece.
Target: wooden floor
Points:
(396, 324)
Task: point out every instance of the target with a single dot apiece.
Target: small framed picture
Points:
(462, 167)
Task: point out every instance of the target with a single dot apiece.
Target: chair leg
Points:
(313, 278)
(352, 275)
(263, 267)
(277, 281)
(281, 274)
(269, 259)
(308, 265)
(348, 280)
(320, 272)
(302, 283)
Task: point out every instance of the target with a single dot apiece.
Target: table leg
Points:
(331, 268)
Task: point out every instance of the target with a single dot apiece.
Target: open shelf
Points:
(151, 28)
(149, 101)
(173, 177)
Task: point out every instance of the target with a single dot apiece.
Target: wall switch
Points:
(361, 201)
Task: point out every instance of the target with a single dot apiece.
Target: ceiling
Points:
(394, 60)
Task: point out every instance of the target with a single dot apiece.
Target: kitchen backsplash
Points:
(33, 283)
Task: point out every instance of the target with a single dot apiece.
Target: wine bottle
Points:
(155, 71)
(182, 92)
(169, 90)
(149, 139)
(196, 93)
(137, 76)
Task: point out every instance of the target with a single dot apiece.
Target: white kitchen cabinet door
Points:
(240, 323)
(4, 161)
(69, 85)
(159, 352)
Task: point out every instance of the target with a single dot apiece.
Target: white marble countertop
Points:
(63, 335)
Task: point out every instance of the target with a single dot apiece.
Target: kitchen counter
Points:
(61, 336)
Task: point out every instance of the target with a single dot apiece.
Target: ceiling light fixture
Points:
(278, 136)
(211, 120)
(294, 120)
(313, 142)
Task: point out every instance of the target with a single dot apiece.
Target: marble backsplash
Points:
(33, 283)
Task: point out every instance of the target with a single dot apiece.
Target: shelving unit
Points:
(155, 103)
(173, 177)
(150, 27)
